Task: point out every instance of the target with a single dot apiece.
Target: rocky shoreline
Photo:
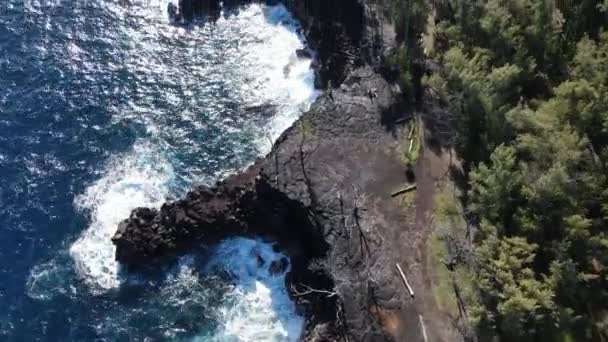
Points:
(342, 34)
(320, 192)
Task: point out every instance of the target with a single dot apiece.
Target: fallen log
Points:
(407, 284)
(409, 136)
(404, 190)
(409, 151)
(423, 327)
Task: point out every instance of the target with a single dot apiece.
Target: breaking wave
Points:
(241, 65)
(202, 101)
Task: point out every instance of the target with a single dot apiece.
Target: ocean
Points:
(106, 106)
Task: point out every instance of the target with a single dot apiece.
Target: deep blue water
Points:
(106, 106)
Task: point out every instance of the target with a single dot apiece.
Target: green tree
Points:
(528, 80)
(494, 190)
(516, 304)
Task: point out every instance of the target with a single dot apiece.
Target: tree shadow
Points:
(396, 115)
(439, 123)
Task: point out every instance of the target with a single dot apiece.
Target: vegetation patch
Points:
(410, 146)
(527, 83)
(441, 281)
(450, 262)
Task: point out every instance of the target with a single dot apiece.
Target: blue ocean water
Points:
(106, 106)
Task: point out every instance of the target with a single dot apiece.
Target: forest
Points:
(527, 84)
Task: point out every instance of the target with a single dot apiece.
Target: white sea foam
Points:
(257, 308)
(255, 48)
(180, 81)
(138, 179)
(232, 296)
(259, 67)
(272, 69)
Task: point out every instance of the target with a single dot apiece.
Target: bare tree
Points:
(307, 290)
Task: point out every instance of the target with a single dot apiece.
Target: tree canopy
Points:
(528, 80)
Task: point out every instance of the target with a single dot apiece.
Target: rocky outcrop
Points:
(345, 33)
(323, 192)
(247, 205)
(337, 30)
(320, 193)
(188, 9)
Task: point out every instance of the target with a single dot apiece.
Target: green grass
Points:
(411, 144)
(448, 219)
(567, 337)
(441, 279)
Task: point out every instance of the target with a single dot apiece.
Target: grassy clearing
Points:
(411, 144)
(443, 291)
(449, 222)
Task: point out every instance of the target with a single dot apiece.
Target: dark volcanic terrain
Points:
(324, 192)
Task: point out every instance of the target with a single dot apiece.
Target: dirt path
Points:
(420, 319)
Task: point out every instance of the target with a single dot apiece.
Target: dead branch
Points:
(407, 283)
(423, 327)
(404, 190)
(409, 136)
(309, 290)
(362, 237)
(343, 218)
(462, 310)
